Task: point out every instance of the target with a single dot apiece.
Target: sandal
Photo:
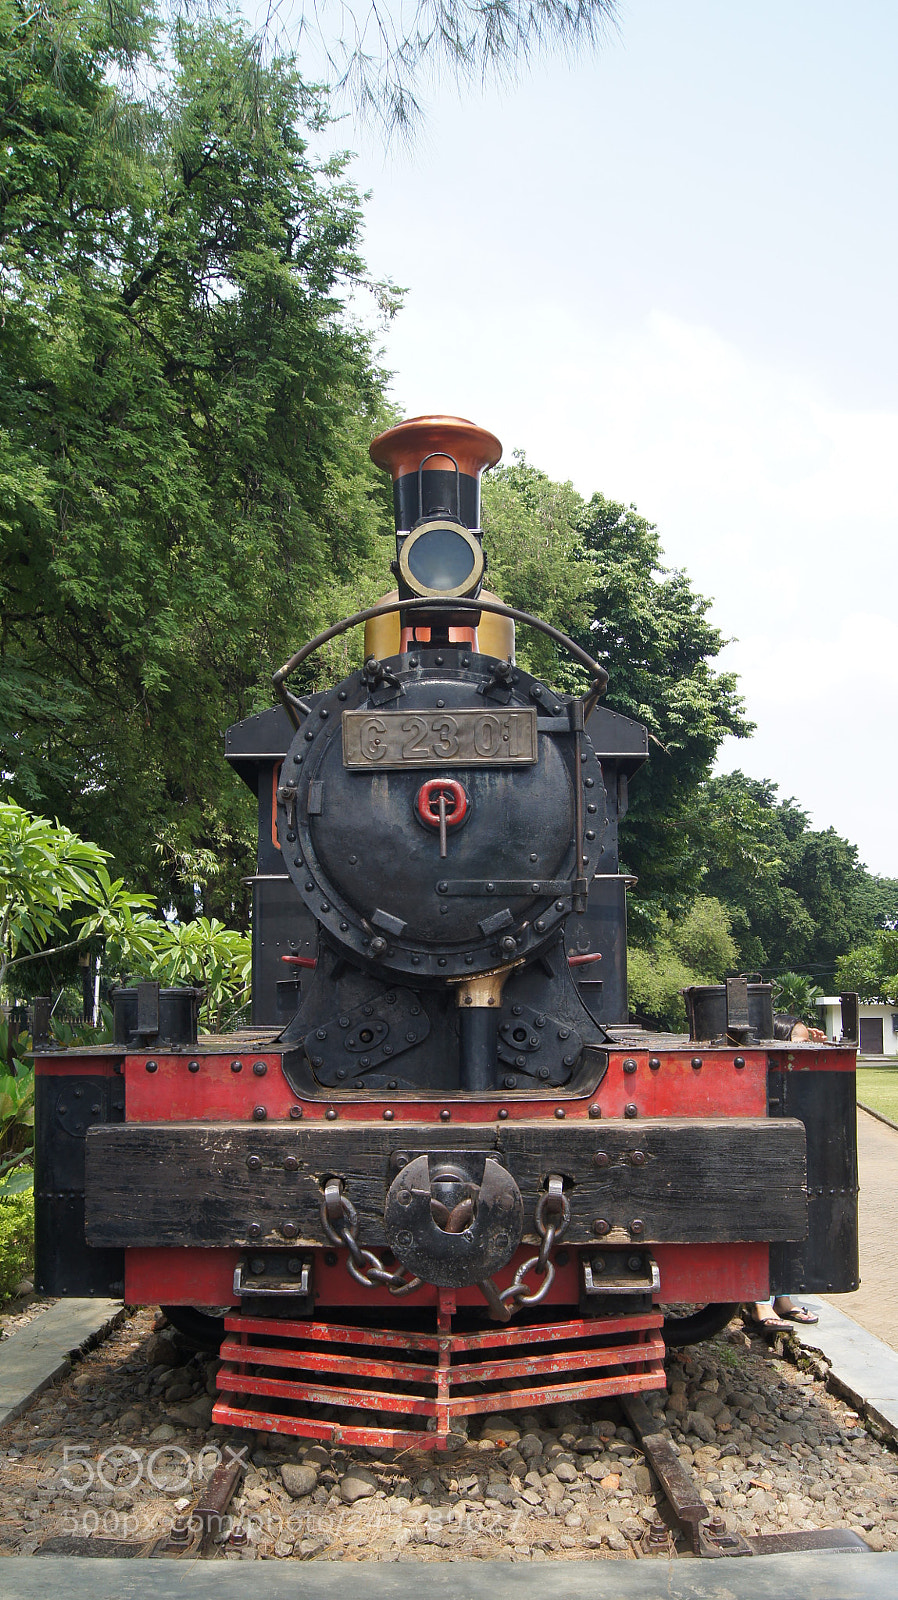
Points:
(801, 1314)
(771, 1324)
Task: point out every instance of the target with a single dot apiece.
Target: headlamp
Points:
(441, 559)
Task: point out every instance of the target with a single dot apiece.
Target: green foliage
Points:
(44, 870)
(696, 948)
(795, 996)
(44, 865)
(594, 569)
(16, 1112)
(799, 898)
(185, 407)
(704, 940)
(384, 53)
(872, 968)
(16, 1242)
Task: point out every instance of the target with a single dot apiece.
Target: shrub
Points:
(16, 1242)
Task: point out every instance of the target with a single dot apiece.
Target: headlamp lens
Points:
(440, 559)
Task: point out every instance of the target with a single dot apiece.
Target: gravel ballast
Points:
(119, 1448)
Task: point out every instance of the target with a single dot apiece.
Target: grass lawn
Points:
(877, 1087)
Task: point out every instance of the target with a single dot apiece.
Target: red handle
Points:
(454, 797)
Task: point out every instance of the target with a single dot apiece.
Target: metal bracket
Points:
(261, 1286)
(621, 1272)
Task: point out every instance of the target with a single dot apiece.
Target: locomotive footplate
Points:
(718, 1180)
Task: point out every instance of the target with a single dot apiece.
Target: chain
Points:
(340, 1221)
(553, 1213)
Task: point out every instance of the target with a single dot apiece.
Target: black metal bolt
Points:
(601, 1227)
(296, 1113)
(540, 925)
(738, 1061)
(543, 1072)
(236, 1066)
(389, 1115)
(639, 1158)
(517, 1011)
(254, 1163)
(601, 1159)
(654, 1063)
(291, 1164)
(564, 1033)
(508, 945)
(696, 1063)
(152, 1066)
(259, 1113)
(520, 1061)
(260, 1068)
(445, 1116)
(294, 1265)
(257, 1265)
(254, 1231)
(330, 1114)
(634, 1263)
(631, 1110)
(595, 1111)
(511, 1082)
(598, 1264)
(378, 946)
(629, 1065)
(193, 1066)
(637, 1227)
(502, 1114)
(560, 1112)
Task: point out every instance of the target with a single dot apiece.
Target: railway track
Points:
(745, 1454)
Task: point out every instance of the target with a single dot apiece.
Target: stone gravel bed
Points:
(118, 1449)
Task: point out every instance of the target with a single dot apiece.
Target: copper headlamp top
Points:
(402, 449)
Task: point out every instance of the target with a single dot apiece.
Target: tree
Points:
(799, 897)
(872, 969)
(381, 56)
(595, 569)
(697, 948)
(185, 406)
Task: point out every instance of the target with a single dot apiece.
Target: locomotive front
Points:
(440, 1142)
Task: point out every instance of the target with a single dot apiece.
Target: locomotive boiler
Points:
(441, 1173)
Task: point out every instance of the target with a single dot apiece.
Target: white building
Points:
(877, 1020)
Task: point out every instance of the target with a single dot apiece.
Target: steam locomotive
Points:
(441, 1173)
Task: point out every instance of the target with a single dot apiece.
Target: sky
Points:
(667, 272)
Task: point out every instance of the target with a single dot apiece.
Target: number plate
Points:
(440, 738)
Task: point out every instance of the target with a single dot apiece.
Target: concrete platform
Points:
(41, 1351)
(820, 1575)
(863, 1368)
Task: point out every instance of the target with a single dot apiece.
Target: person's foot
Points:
(761, 1315)
(786, 1307)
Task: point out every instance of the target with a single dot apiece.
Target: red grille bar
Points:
(271, 1360)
